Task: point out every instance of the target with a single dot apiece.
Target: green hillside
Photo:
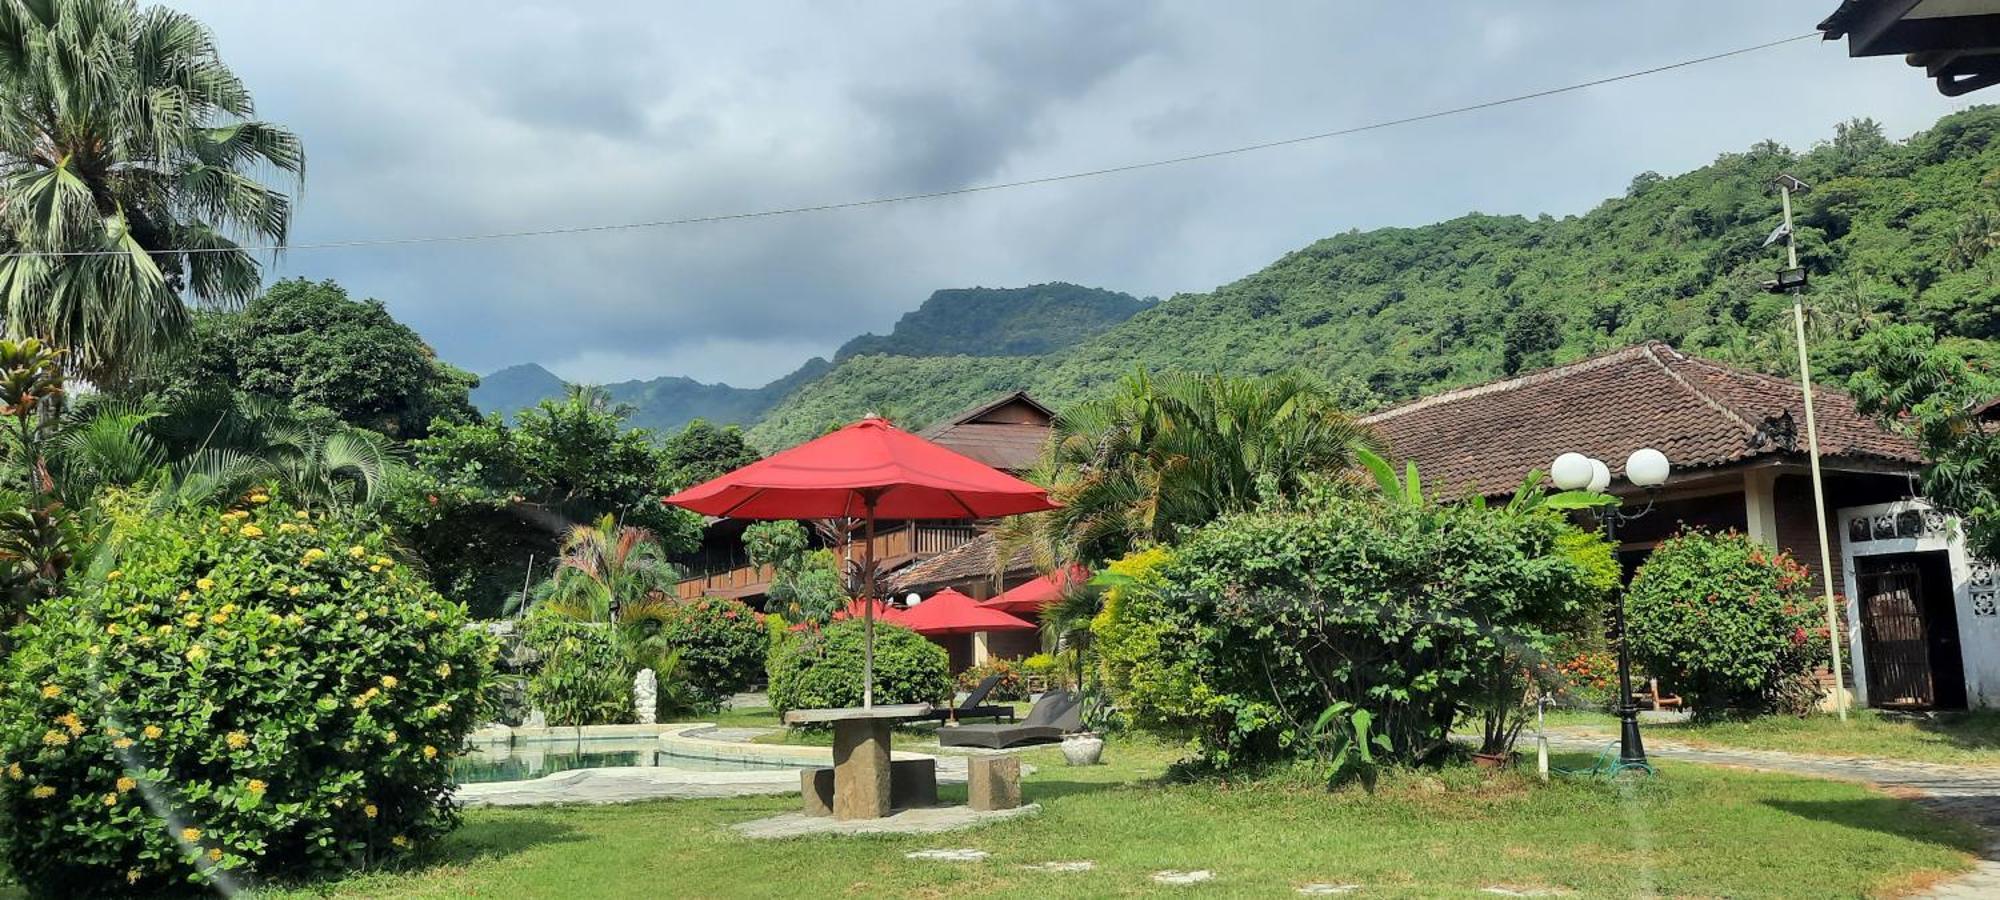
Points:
(1026, 321)
(1894, 230)
(516, 388)
(913, 391)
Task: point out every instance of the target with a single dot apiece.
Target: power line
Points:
(954, 192)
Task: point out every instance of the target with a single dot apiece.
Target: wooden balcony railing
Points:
(892, 547)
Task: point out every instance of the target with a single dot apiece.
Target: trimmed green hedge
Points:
(257, 692)
(822, 669)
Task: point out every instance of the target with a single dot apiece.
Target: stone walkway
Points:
(1966, 792)
(737, 735)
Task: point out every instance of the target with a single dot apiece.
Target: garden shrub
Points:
(822, 668)
(722, 646)
(1059, 667)
(1728, 623)
(1417, 614)
(584, 677)
(1011, 686)
(235, 696)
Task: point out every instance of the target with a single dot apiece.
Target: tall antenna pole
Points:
(1797, 291)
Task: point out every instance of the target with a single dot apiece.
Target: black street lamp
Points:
(1647, 468)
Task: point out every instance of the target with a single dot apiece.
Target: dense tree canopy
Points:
(309, 345)
(1943, 393)
(702, 451)
(485, 496)
(125, 140)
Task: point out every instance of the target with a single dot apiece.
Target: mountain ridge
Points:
(959, 322)
(1895, 230)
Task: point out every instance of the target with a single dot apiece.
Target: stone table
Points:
(860, 753)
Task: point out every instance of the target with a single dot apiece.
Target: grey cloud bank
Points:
(450, 117)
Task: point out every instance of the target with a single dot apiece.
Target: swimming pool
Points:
(524, 761)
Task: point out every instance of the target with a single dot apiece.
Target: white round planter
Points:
(1082, 749)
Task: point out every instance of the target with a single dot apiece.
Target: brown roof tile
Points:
(973, 559)
(1014, 446)
(1700, 413)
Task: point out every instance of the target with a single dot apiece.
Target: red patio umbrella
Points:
(868, 470)
(1030, 597)
(950, 612)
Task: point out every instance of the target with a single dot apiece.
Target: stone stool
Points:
(993, 782)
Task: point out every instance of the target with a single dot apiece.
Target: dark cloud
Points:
(454, 116)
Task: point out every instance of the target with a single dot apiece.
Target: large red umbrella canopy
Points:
(871, 461)
(1031, 596)
(950, 612)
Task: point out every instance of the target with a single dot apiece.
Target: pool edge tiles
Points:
(627, 784)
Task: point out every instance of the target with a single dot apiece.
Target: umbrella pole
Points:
(868, 607)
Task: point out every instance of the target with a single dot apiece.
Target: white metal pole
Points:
(1812, 449)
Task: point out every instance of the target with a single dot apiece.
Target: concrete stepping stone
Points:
(965, 854)
(1080, 865)
(1177, 876)
(1323, 888)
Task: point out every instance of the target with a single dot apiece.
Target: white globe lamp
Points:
(1600, 476)
(1571, 471)
(913, 599)
(1647, 467)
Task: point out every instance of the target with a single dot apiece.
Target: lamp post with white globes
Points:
(1647, 468)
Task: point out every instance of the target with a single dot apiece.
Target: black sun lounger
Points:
(972, 708)
(1056, 714)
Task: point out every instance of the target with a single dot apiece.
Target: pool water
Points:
(521, 762)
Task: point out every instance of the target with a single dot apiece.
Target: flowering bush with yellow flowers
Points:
(231, 696)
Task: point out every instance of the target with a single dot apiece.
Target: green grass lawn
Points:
(1694, 831)
(1968, 738)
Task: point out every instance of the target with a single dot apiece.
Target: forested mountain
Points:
(664, 404)
(962, 322)
(1027, 321)
(516, 388)
(1892, 231)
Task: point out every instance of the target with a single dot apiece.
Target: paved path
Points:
(737, 735)
(1966, 792)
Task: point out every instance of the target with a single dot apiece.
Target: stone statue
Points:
(645, 696)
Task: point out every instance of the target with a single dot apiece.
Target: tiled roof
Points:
(1015, 448)
(973, 559)
(1012, 446)
(1700, 413)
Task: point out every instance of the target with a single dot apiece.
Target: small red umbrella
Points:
(950, 612)
(1030, 597)
(869, 470)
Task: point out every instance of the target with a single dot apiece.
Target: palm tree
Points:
(129, 148)
(1163, 453)
(244, 441)
(609, 573)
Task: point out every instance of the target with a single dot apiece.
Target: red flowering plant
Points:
(1013, 683)
(722, 645)
(1729, 623)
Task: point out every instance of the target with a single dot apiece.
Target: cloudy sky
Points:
(445, 117)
